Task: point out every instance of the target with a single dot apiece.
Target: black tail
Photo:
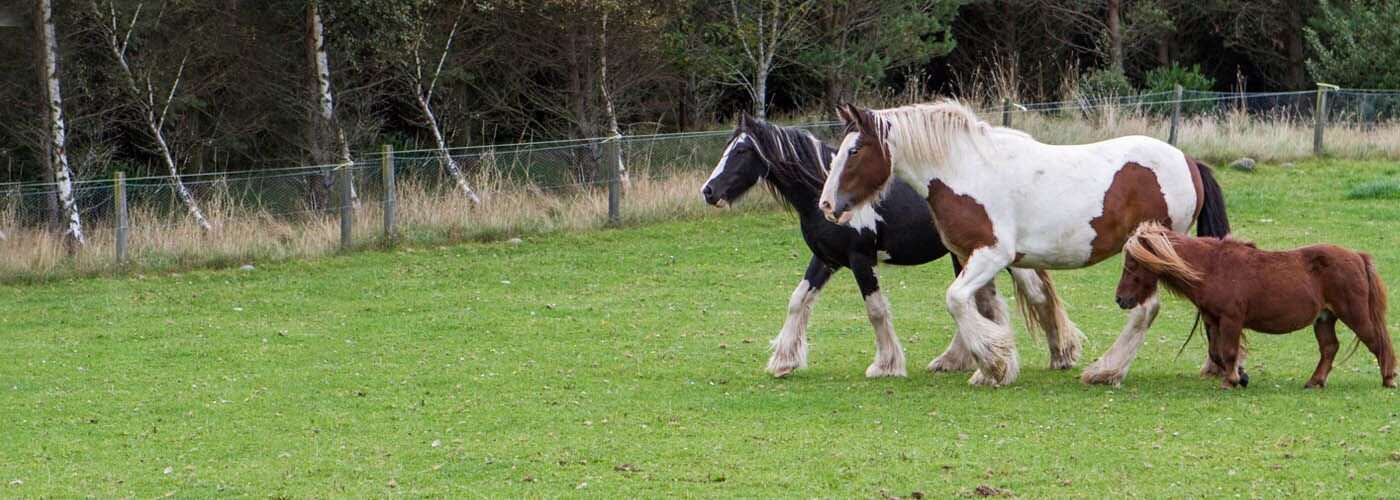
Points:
(1213, 221)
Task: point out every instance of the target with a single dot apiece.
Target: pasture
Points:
(630, 361)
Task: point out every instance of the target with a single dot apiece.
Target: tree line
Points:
(170, 87)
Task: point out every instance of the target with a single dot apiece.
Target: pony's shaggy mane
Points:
(1151, 246)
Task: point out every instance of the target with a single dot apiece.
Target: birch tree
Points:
(326, 132)
(153, 107)
(423, 87)
(763, 35)
(613, 129)
(57, 137)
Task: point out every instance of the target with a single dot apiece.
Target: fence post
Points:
(1176, 116)
(347, 210)
(1320, 116)
(122, 222)
(614, 180)
(1006, 113)
(1365, 112)
(391, 195)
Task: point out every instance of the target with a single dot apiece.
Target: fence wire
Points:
(574, 167)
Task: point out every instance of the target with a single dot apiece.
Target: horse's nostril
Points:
(826, 205)
(707, 191)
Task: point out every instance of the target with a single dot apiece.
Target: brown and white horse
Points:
(1001, 199)
(1238, 286)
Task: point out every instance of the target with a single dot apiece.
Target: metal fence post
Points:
(1176, 116)
(614, 180)
(122, 222)
(347, 209)
(391, 195)
(1006, 113)
(1320, 116)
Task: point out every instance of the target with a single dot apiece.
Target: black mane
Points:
(794, 156)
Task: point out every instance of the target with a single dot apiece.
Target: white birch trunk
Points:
(424, 96)
(623, 179)
(146, 101)
(57, 132)
(326, 99)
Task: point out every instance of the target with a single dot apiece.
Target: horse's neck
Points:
(802, 196)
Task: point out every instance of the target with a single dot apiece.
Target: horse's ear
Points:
(863, 118)
(843, 113)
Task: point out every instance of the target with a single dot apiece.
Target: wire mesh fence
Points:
(565, 183)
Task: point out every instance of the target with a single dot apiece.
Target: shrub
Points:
(1189, 78)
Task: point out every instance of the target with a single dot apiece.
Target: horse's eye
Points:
(852, 151)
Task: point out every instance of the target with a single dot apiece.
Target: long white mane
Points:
(932, 132)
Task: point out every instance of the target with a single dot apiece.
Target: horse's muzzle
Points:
(840, 213)
(1127, 302)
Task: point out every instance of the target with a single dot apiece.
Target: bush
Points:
(1356, 44)
(1104, 83)
(1190, 79)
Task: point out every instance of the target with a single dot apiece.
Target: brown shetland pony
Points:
(1238, 286)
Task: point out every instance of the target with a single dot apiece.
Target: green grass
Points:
(629, 362)
(1388, 189)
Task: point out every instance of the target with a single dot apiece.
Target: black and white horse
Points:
(899, 230)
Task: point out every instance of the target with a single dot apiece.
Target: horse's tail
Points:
(1213, 221)
(1376, 297)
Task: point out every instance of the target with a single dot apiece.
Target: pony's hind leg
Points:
(1377, 340)
(1113, 366)
(1325, 329)
(989, 343)
(889, 355)
(790, 347)
(1035, 293)
(1225, 346)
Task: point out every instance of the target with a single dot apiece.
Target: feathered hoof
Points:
(885, 370)
(951, 363)
(783, 365)
(1211, 370)
(1098, 375)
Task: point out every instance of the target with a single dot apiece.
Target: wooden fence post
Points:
(391, 195)
(1006, 113)
(347, 209)
(122, 222)
(1320, 116)
(614, 180)
(1176, 116)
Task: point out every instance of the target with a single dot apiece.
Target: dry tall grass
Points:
(426, 215)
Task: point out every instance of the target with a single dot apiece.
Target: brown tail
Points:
(1377, 299)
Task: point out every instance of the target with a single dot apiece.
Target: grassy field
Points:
(629, 361)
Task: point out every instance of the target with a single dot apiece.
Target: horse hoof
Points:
(1096, 375)
(1314, 385)
(876, 371)
(980, 379)
(1244, 380)
(943, 364)
(1388, 383)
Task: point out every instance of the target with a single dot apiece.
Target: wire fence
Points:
(294, 198)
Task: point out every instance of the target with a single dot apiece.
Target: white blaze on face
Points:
(724, 157)
(838, 163)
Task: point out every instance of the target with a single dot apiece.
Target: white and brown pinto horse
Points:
(1001, 199)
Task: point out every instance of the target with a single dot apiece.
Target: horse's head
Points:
(1148, 255)
(861, 169)
(739, 169)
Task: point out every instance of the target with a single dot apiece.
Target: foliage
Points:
(628, 363)
(1104, 83)
(1356, 44)
(862, 41)
(1189, 78)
